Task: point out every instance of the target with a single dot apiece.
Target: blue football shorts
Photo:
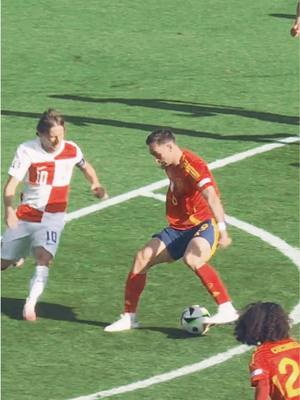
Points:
(176, 240)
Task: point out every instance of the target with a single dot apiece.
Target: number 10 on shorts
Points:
(51, 237)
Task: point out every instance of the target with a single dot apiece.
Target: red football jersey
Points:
(186, 207)
(278, 362)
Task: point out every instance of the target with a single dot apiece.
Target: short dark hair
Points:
(49, 119)
(261, 322)
(160, 136)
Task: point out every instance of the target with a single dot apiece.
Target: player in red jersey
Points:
(196, 226)
(46, 165)
(274, 368)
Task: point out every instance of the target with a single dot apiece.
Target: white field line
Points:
(188, 369)
(253, 152)
(164, 182)
(289, 251)
(292, 253)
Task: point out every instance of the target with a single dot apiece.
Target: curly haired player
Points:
(274, 367)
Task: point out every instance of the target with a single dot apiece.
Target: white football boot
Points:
(29, 311)
(225, 315)
(126, 322)
(19, 263)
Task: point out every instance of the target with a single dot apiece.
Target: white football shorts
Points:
(20, 241)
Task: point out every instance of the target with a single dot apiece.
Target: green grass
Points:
(225, 78)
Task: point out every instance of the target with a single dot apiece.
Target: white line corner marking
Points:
(292, 253)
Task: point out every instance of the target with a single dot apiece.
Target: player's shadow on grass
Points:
(82, 121)
(286, 16)
(172, 333)
(13, 308)
(188, 108)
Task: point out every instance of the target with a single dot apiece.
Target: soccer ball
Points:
(192, 320)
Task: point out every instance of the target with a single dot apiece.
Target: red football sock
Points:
(134, 286)
(213, 283)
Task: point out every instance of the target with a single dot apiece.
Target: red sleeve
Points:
(198, 170)
(206, 178)
(258, 368)
(262, 390)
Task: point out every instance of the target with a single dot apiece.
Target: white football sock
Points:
(38, 283)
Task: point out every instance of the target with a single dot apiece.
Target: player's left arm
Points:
(216, 207)
(91, 176)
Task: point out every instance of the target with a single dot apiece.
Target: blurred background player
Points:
(295, 31)
(274, 368)
(196, 226)
(46, 165)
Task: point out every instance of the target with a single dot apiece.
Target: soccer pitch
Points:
(225, 79)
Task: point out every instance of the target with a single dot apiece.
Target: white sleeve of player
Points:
(79, 157)
(20, 164)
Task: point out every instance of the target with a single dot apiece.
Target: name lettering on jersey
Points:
(285, 347)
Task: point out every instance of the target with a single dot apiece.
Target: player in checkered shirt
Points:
(45, 165)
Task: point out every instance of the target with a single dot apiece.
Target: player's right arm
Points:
(262, 390)
(16, 174)
(9, 193)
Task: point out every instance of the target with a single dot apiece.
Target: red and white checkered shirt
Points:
(46, 178)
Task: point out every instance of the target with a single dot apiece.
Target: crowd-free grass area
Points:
(224, 77)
